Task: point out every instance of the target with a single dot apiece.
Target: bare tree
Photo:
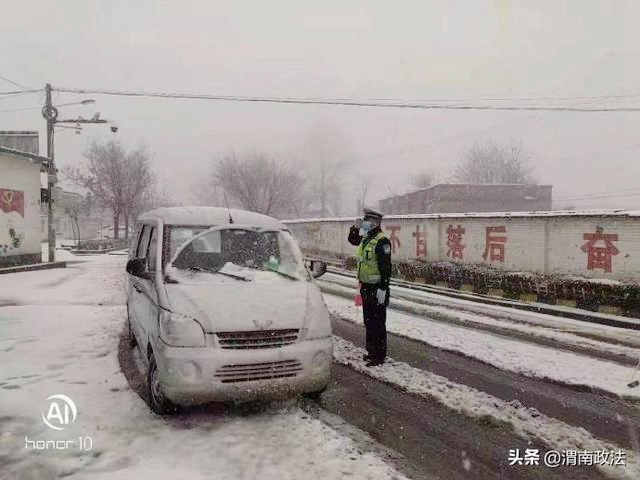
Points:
(324, 184)
(335, 202)
(364, 183)
(327, 160)
(74, 205)
(139, 186)
(258, 183)
(495, 163)
(422, 180)
(151, 198)
(207, 193)
(117, 179)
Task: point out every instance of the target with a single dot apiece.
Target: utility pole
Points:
(50, 113)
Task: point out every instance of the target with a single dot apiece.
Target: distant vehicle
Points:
(109, 232)
(224, 311)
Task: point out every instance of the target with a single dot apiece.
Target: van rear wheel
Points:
(157, 401)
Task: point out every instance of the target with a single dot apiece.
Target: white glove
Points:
(381, 295)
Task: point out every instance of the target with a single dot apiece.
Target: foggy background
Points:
(418, 50)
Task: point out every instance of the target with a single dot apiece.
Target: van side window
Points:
(143, 243)
(133, 246)
(151, 252)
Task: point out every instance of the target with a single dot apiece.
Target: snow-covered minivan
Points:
(223, 308)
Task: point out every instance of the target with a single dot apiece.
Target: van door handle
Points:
(137, 287)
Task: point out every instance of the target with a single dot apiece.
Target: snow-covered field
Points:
(59, 332)
(504, 353)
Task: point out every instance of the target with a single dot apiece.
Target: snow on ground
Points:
(507, 354)
(526, 422)
(59, 333)
(540, 324)
(561, 334)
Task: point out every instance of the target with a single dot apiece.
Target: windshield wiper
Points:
(286, 275)
(237, 277)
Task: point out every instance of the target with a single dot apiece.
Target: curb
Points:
(33, 267)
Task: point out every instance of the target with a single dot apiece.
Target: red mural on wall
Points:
(421, 241)
(12, 201)
(599, 249)
(454, 241)
(393, 237)
(495, 244)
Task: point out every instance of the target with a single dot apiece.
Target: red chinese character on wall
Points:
(454, 241)
(421, 241)
(494, 246)
(599, 256)
(393, 237)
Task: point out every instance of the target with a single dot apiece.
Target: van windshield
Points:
(241, 253)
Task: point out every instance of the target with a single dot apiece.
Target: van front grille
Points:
(258, 338)
(250, 372)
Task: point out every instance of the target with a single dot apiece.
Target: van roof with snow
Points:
(210, 216)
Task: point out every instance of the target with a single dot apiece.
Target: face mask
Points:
(367, 226)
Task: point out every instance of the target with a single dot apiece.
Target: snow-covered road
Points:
(509, 321)
(59, 333)
(504, 353)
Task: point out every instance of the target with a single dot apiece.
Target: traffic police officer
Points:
(374, 273)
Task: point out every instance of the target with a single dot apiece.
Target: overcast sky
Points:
(356, 49)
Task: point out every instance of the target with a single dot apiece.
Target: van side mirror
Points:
(138, 268)
(318, 268)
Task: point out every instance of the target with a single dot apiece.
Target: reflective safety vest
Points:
(368, 271)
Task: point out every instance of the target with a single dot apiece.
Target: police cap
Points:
(372, 214)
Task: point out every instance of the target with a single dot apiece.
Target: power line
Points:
(598, 197)
(13, 95)
(19, 92)
(25, 89)
(501, 125)
(602, 197)
(20, 109)
(341, 102)
(16, 84)
(587, 195)
(613, 193)
(508, 99)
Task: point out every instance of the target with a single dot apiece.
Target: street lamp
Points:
(50, 113)
(88, 101)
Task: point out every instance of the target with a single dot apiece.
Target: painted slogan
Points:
(599, 245)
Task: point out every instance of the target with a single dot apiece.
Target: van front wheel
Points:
(316, 395)
(157, 401)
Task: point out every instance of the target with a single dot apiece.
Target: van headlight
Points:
(179, 330)
(317, 323)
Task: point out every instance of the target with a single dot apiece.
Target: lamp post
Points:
(50, 113)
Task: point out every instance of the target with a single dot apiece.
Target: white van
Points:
(223, 308)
